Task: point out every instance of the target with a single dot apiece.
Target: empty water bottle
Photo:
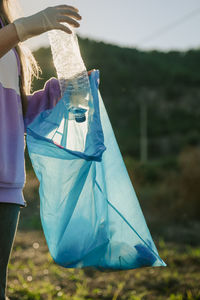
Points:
(72, 74)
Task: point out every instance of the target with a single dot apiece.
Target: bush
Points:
(177, 196)
(189, 182)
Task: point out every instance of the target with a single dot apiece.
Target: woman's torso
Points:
(12, 173)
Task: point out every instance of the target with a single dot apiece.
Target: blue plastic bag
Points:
(89, 210)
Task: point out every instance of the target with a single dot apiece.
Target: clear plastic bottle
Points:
(72, 73)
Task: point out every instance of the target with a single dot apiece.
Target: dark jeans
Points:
(9, 216)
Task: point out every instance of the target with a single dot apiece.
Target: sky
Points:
(131, 23)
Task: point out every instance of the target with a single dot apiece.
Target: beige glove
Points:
(46, 20)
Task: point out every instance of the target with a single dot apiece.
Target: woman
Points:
(18, 108)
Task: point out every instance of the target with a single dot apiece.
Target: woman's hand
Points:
(47, 19)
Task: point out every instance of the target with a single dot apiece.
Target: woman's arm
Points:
(43, 99)
(8, 38)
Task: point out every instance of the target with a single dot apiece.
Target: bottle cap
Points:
(80, 118)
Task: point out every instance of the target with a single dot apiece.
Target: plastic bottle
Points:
(72, 73)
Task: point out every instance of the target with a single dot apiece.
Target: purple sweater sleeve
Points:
(43, 99)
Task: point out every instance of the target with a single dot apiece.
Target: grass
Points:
(34, 275)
